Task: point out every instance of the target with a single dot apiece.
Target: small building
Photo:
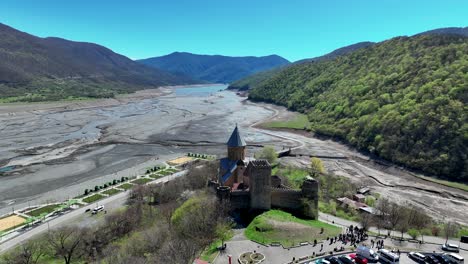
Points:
(359, 198)
(364, 190)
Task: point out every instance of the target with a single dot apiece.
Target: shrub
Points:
(96, 188)
(105, 185)
(414, 233)
(86, 191)
(148, 171)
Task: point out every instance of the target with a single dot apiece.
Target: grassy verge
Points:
(300, 121)
(111, 191)
(141, 181)
(457, 185)
(282, 227)
(155, 176)
(210, 252)
(126, 186)
(294, 175)
(93, 198)
(43, 210)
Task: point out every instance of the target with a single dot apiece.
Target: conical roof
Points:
(236, 140)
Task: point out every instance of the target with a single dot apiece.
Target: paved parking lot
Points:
(279, 255)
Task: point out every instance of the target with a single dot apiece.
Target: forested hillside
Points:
(254, 80)
(214, 68)
(37, 69)
(403, 99)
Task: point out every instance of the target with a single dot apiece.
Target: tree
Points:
(394, 215)
(223, 231)
(27, 253)
(365, 220)
(381, 214)
(316, 166)
(414, 233)
(403, 223)
(451, 229)
(268, 153)
(66, 242)
(418, 219)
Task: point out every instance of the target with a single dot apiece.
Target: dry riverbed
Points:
(55, 150)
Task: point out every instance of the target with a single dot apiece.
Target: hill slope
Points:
(403, 99)
(214, 68)
(450, 30)
(254, 80)
(54, 68)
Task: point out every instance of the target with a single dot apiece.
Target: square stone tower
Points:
(259, 173)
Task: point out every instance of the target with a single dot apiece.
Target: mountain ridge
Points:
(214, 68)
(54, 68)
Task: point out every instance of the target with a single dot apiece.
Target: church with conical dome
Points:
(247, 183)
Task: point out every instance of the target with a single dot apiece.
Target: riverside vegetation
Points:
(403, 99)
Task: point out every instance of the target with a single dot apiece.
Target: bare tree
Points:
(403, 223)
(451, 229)
(27, 253)
(394, 215)
(381, 213)
(365, 220)
(418, 219)
(66, 242)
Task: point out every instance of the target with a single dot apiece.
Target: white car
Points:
(417, 257)
(450, 247)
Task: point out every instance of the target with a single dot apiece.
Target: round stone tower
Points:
(310, 188)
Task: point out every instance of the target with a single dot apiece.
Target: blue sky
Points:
(294, 29)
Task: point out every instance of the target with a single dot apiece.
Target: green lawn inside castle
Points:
(276, 226)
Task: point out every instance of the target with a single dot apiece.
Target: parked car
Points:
(417, 257)
(358, 259)
(334, 260)
(442, 259)
(455, 258)
(346, 259)
(388, 257)
(431, 259)
(367, 253)
(87, 210)
(321, 261)
(450, 247)
(464, 239)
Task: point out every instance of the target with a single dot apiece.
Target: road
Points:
(111, 202)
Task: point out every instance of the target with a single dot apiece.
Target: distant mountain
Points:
(37, 69)
(256, 79)
(450, 30)
(214, 68)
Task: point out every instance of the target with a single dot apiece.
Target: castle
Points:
(248, 184)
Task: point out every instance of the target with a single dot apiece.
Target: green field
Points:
(300, 121)
(43, 210)
(141, 181)
(282, 227)
(126, 186)
(111, 191)
(93, 198)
